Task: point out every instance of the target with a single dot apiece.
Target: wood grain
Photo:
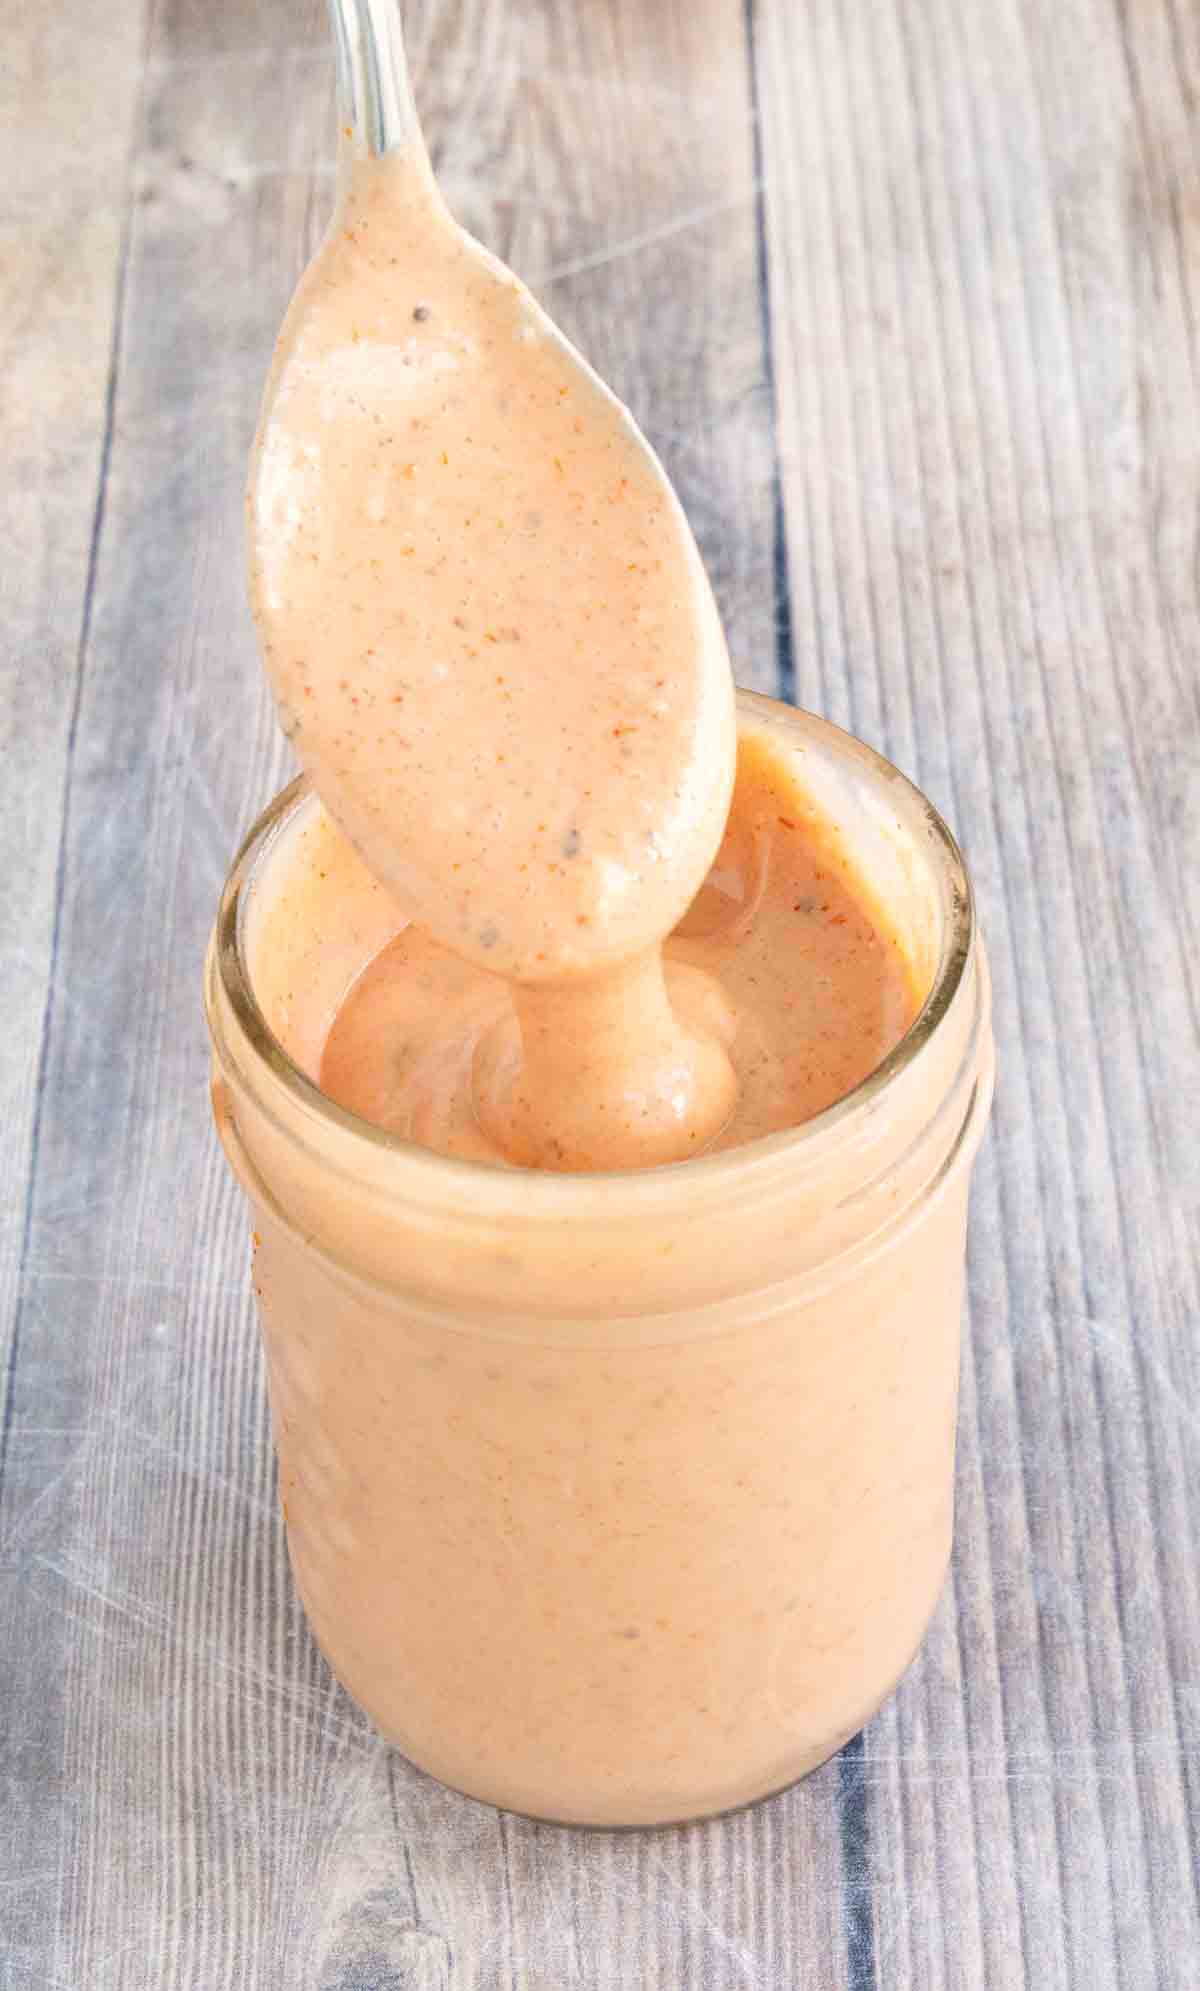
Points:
(962, 318)
(906, 296)
(60, 282)
(63, 227)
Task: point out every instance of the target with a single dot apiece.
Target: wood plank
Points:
(68, 103)
(124, 1150)
(67, 99)
(235, 33)
(985, 397)
(1136, 712)
(148, 1587)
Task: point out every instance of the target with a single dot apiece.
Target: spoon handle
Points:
(376, 111)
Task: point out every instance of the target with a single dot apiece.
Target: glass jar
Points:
(613, 1499)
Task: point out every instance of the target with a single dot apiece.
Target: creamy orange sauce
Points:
(494, 647)
(781, 958)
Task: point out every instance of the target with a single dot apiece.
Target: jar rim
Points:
(436, 1178)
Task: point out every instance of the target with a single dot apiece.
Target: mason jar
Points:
(613, 1499)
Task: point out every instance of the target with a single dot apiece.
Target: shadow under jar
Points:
(613, 1499)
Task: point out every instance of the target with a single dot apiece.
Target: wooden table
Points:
(906, 293)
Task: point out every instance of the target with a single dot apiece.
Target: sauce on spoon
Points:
(494, 648)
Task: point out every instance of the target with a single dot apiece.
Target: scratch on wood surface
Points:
(650, 238)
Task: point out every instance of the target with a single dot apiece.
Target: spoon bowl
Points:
(484, 617)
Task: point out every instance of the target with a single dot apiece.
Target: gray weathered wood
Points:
(985, 380)
(63, 221)
(63, 207)
(973, 365)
